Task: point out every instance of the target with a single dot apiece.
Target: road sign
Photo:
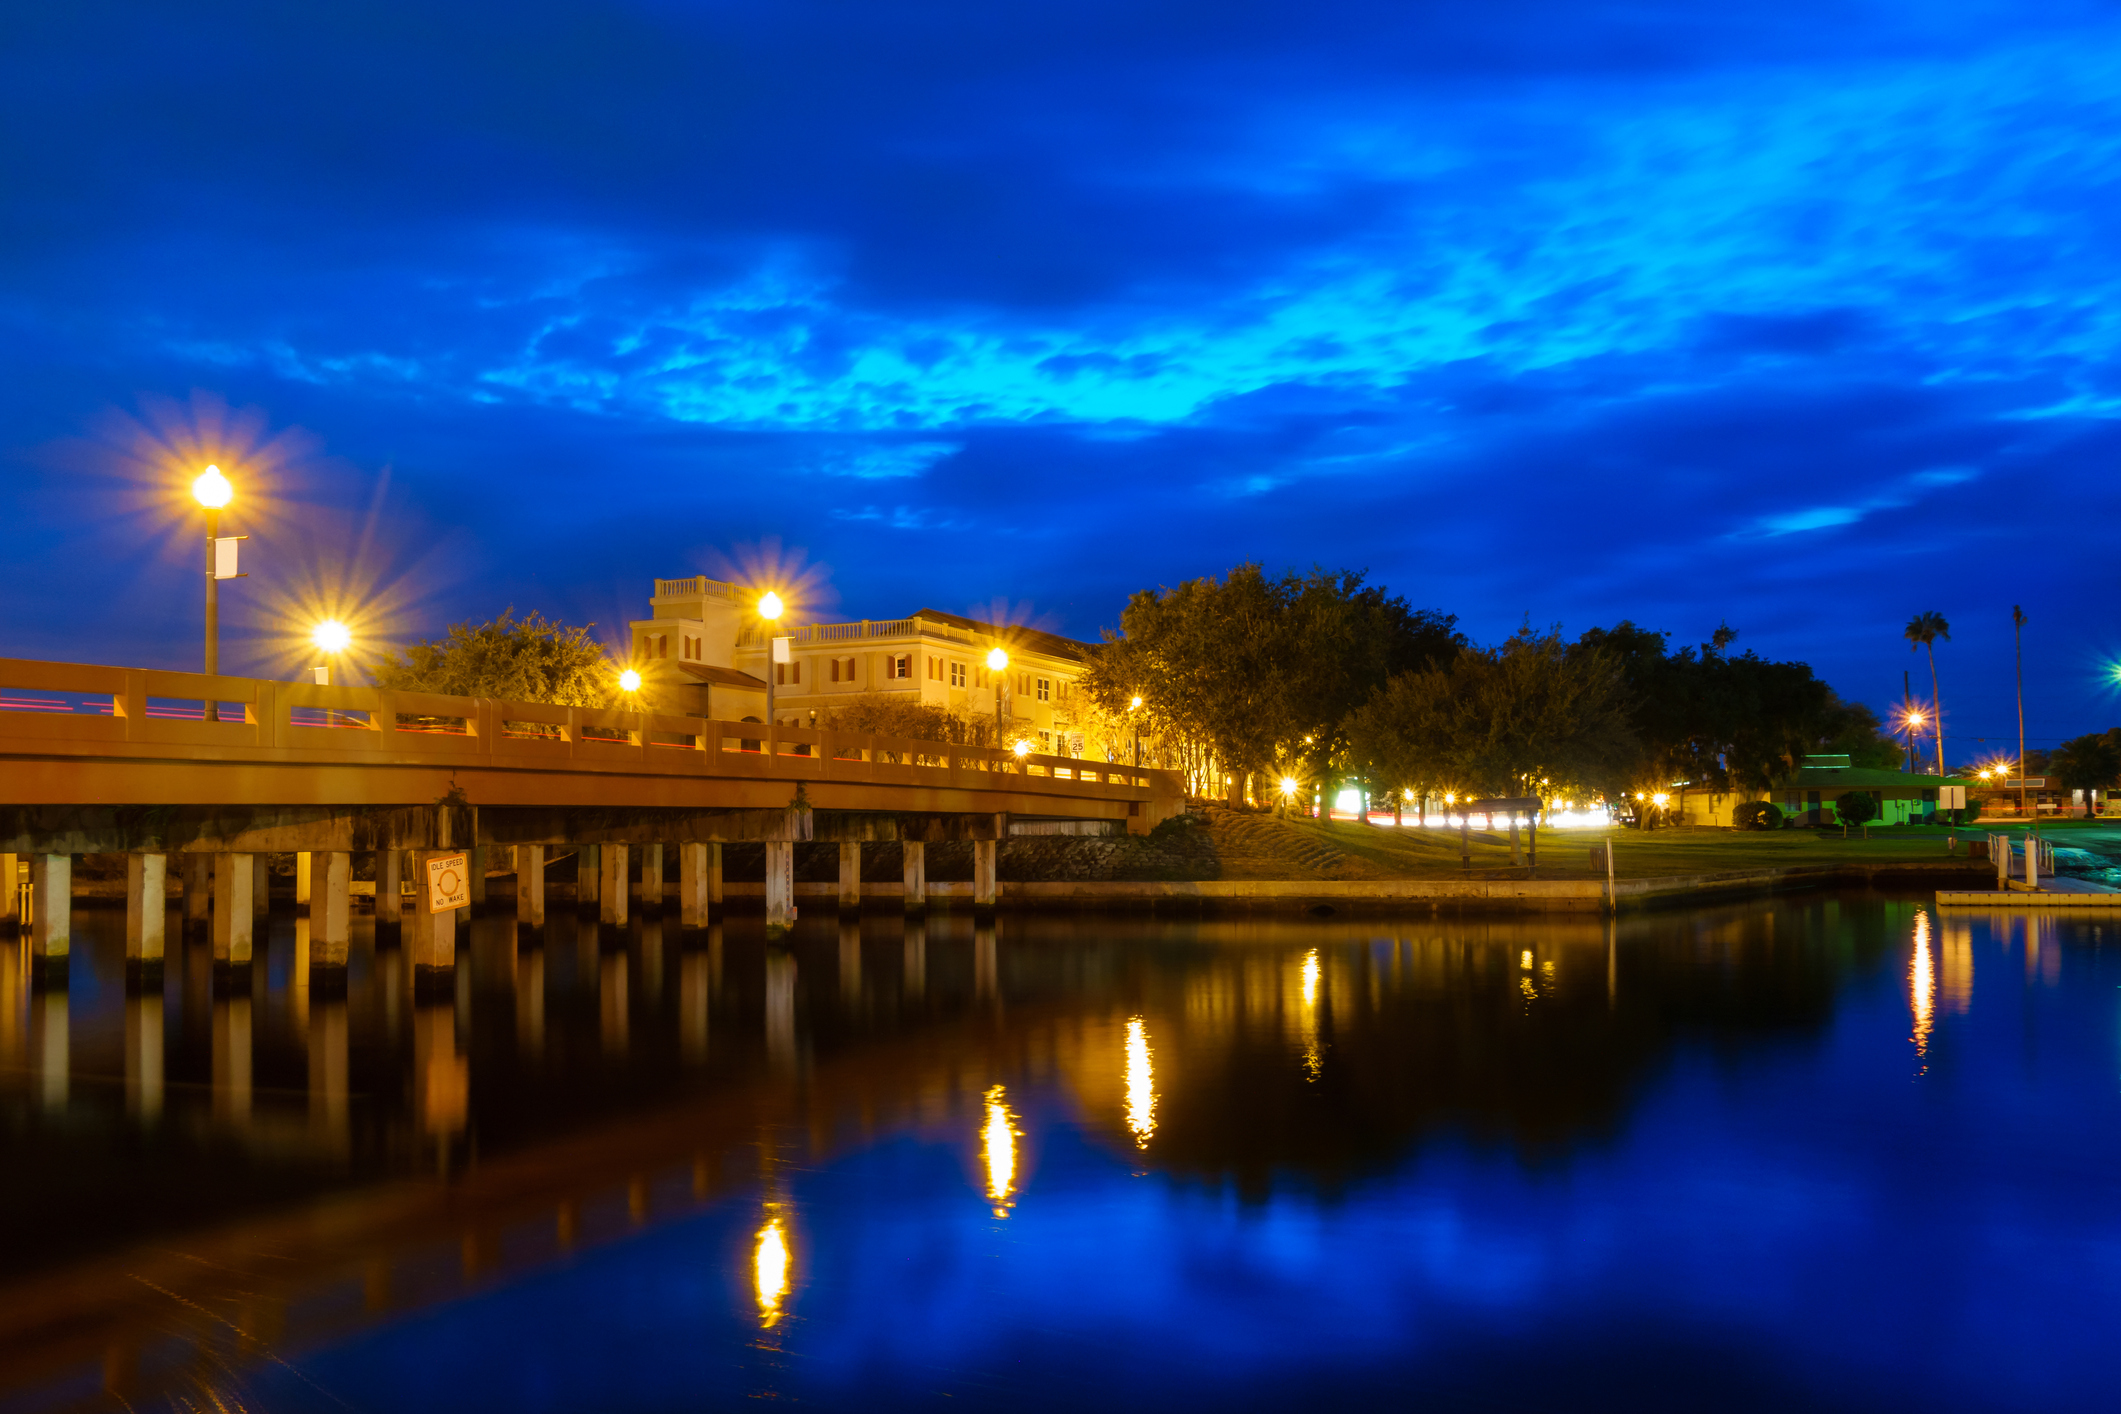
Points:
(448, 883)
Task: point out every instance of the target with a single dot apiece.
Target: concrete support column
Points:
(434, 935)
(146, 916)
(588, 872)
(696, 863)
(780, 886)
(331, 925)
(51, 909)
(198, 875)
(10, 894)
(611, 885)
(530, 885)
(983, 887)
(851, 877)
(305, 863)
(235, 922)
(916, 876)
(390, 890)
(652, 878)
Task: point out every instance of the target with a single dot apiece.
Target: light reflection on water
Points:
(462, 1200)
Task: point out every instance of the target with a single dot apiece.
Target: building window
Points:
(780, 675)
(1045, 689)
(1045, 742)
(795, 671)
(957, 674)
(900, 667)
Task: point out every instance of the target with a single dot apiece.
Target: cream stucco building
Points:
(704, 652)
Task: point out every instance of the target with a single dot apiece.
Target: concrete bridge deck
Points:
(210, 773)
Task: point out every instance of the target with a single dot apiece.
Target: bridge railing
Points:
(50, 704)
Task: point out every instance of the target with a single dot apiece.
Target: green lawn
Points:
(1565, 854)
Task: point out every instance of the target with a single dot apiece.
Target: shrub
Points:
(1855, 807)
(1758, 815)
(1973, 810)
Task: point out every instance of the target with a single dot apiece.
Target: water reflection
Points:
(998, 1151)
(1921, 985)
(602, 1109)
(769, 1269)
(1141, 1084)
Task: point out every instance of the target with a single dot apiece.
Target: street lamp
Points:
(770, 613)
(212, 491)
(629, 681)
(331, 638)
(1134, 710)
(997, 663)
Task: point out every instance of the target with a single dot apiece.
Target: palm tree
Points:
(1923, 631)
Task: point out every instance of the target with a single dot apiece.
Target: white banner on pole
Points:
(225, 557)
(783, 650)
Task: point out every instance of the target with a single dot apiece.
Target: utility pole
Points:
(2018, 635)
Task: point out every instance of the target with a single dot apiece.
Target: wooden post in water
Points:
(530, 886)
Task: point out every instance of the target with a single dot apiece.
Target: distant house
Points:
(1903, 797)
(703, 654)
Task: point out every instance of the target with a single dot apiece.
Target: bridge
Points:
(209, 774)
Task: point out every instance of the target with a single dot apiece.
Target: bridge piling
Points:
(434, 933)
(916, 872)
(198, 874)
(588, 876)
(146, 919)
(330, 921)
(530, 886)
(612, 886)
(850, 878)
(652, 879)
(390, 894)
(234, 920)
(699, 882)
(51, 908)
(983, 871)
(780, 886)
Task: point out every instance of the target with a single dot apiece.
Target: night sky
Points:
(1794, 315)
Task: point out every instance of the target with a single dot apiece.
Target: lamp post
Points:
(212, 491)
(769, 614)
(1134, 710)
(331, 638)
(997, 664)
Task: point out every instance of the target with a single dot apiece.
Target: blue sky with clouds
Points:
(1796, 315)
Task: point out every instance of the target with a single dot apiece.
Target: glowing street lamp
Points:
(997, 664)
(770, 607)
(331, 638)
(213, 493)
(630, 681)
(1134, 710)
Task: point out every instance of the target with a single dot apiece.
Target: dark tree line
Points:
(1327, 679)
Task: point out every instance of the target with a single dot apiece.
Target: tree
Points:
(531, 659)
(1248, 673)
(2088, 763)
(1923, 631)
(882, 714)
(1855, 807)
(1535, 716)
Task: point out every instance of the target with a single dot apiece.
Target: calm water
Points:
(1831, 1153)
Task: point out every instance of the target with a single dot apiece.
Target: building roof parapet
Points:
(699, 584)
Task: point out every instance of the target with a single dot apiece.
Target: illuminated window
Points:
(900, 667)
(1045, 742)
(1045, 689)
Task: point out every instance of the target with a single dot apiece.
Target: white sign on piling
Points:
(448, 883)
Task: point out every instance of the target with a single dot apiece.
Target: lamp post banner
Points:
(448, 883)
